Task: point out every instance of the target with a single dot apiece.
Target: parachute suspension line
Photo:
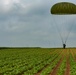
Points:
(58, 30)
(69, 32)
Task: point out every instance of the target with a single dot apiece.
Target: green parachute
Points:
(62, 11)
(63, 8)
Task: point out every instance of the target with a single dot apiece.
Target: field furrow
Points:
(67, 71)
(54, 72)
(47, 65)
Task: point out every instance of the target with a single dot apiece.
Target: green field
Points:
(37, 61)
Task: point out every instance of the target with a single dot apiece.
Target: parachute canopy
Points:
(63, 8)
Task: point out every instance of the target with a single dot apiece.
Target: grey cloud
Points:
(31, 26)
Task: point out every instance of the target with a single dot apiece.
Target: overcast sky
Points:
(25, 23)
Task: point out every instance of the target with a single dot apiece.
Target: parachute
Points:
(63, 8)
(64, 11)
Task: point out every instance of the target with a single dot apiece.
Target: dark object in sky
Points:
(64, 46)
(63, 8)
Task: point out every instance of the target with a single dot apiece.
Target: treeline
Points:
(2, 48)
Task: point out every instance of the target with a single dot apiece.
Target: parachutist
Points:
(66, 9)
(64, 46)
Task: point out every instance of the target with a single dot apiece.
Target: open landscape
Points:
(38, 61)
(37, 37)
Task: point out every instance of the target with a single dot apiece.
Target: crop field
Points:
(38, 61)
